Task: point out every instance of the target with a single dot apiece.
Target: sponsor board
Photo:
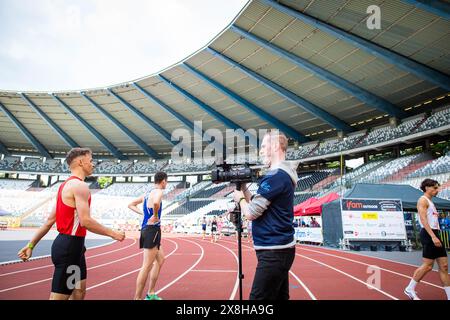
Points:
(373, 219)
(309, 235)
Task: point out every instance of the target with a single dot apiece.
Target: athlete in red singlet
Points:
(72, 216)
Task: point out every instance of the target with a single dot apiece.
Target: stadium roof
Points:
(305, 67)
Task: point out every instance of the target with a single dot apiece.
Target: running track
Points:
(197, 269)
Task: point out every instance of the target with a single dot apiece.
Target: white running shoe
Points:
(411, 294)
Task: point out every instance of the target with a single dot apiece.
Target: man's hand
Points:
(238, 195)
(153, 220)
(25, 253)
(118, 235)
(437, 242)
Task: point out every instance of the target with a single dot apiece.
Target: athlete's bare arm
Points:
(26, 252)
(133, 205)
(422, 207)
(156, 197)
(81, 196)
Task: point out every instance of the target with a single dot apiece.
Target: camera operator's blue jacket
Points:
(272, 208)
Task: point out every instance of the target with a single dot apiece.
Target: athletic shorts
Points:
(150, 237)
(213, 229)
(204, 227)
(70, 263)
(430, 251)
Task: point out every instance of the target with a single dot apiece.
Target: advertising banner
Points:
(309, 235)
(373, 219)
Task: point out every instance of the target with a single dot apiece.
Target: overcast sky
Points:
(51, 45)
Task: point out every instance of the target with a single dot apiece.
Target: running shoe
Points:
(152, 297)
(411, 294)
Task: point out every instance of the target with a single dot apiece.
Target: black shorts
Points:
(70, 263)
(150, 237)
(213, 229)
(430, 251)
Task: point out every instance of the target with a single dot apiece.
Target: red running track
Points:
(197, 269)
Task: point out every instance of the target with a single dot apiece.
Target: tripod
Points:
(237, 220)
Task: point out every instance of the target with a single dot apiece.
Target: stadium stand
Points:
(299, 197)
(9, 163)
(125, 189)
(210, 190)
(440, 165)
(308, 179)
(50, 166)
(13, 184)
(388, 169)
(193, 166)
(189, 207)
(30, 165)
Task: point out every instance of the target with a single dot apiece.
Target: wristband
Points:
(30, 245)
(241, 200)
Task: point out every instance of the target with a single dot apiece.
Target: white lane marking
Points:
(131, 272)
(51, 265)
(366, 264)
(308, 291)
(349, 275)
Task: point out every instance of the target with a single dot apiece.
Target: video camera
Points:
(237, 174)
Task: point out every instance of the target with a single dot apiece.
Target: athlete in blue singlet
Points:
(150, 239)
(148, 213)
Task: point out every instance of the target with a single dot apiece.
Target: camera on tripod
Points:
(237, 174)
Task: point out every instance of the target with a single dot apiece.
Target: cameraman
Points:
(271, 213)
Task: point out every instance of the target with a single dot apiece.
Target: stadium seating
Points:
(299, 197)
(300, 153)
(210, 190)
(51, 165)
(9, 163)
(30, 165)
(18, 202)
(440, 165)
(125, 189)
(192, 166)
(189, 206)
(12, 184)
(308, 179)
(437, 119)
(388, 169)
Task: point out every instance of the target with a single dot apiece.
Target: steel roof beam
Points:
(422, 71)
(138, 141)
(143, 117)
(358, 92)
(108, 145)
(213, 113)
(439, 8)
(64, 136)
(27, 134)
(298, 101)
(290, 132)
(4, 149)
(170, 110)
